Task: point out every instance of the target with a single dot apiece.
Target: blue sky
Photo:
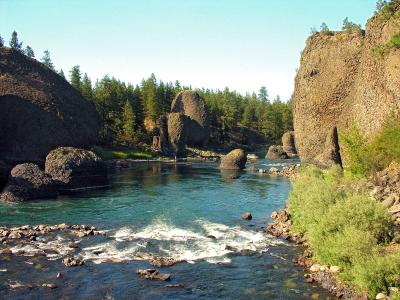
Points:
(242, 44)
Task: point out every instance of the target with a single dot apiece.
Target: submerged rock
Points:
(247, 216)
(234, 160)
(152, 274)
(76, 168)
(28, 182)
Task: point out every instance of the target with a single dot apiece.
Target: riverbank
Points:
(351, 240)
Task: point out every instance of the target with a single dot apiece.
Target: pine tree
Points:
(61, 73)
(127, 134)
(76, 77)
(86, 87)
(149, 95)
(380, 4)
(350, 27)
(46, 60)
(29, 52)
(263, 95)
(14, 43)
(1, 42)
(325, 28)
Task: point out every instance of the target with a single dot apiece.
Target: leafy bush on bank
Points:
(345, 227)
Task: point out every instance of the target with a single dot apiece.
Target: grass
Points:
(121, 153)
(393, 43)
(345, 227)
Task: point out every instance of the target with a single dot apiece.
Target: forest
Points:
(129, 113)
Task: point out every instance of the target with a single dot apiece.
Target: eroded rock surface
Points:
(234, 160)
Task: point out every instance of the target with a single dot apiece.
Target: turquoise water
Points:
(168, 210)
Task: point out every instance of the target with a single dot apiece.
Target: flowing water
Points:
(186, 211)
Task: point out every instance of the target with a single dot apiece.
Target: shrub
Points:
(366, 158)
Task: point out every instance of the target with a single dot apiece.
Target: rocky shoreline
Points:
(280, 227)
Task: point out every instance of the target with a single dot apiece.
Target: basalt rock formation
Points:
(342, 81)
(289, 145)
(234, 160)
(177, 126)
(276, 153)
(39, 110)
(190, 104)
(28, 182)
(76, 169)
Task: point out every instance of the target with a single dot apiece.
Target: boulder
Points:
(288, 142)
(76, 168)
(234, 160)
(163, 144)
(177, 126)
(40, 110)
(28, 182)
(276, 153)
(191, 105)
(247, 216)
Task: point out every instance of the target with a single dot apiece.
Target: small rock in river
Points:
(72, 262)
(247, 216)
(153, 274)
(174, 286)
(73, 245)
(49, 285)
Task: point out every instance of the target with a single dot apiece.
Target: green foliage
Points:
(345, 227)
(366, 158)
(127, 134)
(109, 154)
(350, 27)
(1, 42)
(86, 87)
(75, 77)
(29, 52)
(14, 42)
(325, 29)
(393, 43)
(387, 10)
(61, 73)
(46, 60)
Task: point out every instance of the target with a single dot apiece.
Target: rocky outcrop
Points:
(177, 126)
(190, 104)
(39, 110)
(28, 182)
(234, 160)
(341, 81)
(76, 169)
(4, 173)
(163, 144)
(331, 153)
(289, 145)
(276, 153)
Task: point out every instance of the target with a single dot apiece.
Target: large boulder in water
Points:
(177, 126)
(276, 153)
(191, 105)
(40, 110)
(288, 142)
(28, 182)
(234, 160)
(76, 169)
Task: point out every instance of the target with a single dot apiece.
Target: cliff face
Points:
(341, 81)
(39, 110)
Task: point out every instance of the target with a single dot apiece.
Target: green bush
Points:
(393, 43)
(344, 227)
(366, 158)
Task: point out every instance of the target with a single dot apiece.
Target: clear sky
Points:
(241, 44)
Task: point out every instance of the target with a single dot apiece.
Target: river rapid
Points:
(187, 211)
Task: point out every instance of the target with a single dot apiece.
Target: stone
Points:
(340, 82)
(190, 104)
(315, 268)
(40, 110)
(234, 160)
(247, 216)
(163, 142)
(380, 296)
(152, 274)
(177, 126)
(75, 168)
(28, 182)
(331, 152)
(73, 262)
(49, 285)
(288, 142)
(389, 201)
(394, 209)
(334, 269)
(273, 171)
(276, 153)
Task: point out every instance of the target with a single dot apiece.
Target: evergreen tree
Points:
(325, 28)
(350, 27)
(380, 4)
(46, 60)
(263, 95)
(76, 77)
(149, 95)
(14, 42)
(29, 52)
(127, 134)
(86, 88)
(1, 42)
(61, 73)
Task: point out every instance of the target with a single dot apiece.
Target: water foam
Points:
(212, 242)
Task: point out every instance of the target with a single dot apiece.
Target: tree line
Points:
(130, 112)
